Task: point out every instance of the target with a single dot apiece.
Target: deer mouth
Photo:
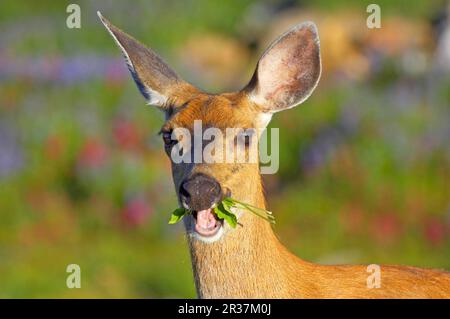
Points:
(206, 222)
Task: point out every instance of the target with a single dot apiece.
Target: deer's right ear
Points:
(288, 71)
(157, 82)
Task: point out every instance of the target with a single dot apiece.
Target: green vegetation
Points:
(223, 211)
(364, 163)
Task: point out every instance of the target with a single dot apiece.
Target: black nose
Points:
(200, 192)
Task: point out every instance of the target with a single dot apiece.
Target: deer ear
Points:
(155, 79)
(288, 71)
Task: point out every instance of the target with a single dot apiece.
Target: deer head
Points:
(250, 262)
(285, 76)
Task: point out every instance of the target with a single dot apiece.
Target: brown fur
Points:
(250, 262)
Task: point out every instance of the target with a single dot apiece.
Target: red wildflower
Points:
(136, 212)
(126, 134)
(434, 231)
(93, 153)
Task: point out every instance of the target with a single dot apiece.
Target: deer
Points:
(250, 261)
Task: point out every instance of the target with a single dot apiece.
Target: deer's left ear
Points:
(288, 71)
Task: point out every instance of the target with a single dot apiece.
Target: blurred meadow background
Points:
(364, 163)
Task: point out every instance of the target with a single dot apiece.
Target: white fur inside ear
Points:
(263, 119)
(268, 80)
(257, 99)
(152, 97)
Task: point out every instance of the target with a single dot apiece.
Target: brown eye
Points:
(245, 138)
(167, 138)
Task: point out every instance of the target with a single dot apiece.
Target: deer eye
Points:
(167, 138)
(245, 138)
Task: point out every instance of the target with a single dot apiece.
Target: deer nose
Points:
(200, 192)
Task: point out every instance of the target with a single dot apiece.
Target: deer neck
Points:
(246, 262)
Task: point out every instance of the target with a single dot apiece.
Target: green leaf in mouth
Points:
(265, 214)
(223, 211)
(178, 215)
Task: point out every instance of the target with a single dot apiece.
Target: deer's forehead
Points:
(214, 111)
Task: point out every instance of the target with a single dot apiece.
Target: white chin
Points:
(208, 239)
